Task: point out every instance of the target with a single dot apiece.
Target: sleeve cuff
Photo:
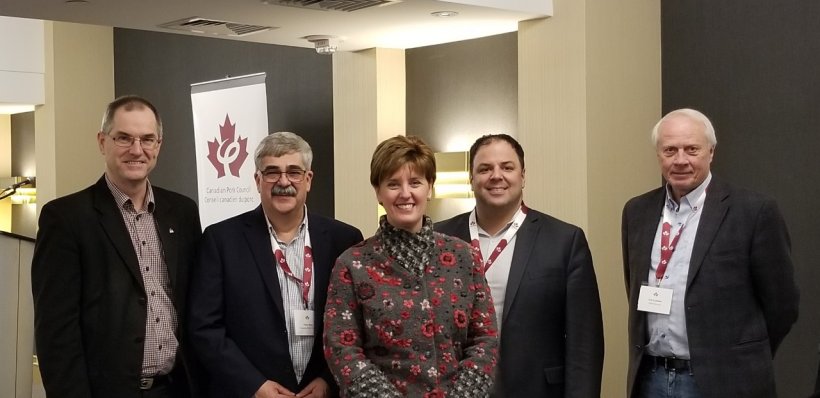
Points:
(471, 383)
(372, 383)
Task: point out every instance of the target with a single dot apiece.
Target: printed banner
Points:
(230, 119)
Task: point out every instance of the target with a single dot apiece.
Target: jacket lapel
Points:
(648, 224)
(110, 219)
(525, 240)
(258, 238)
(321, 245)
(166, 228)
(714, 210)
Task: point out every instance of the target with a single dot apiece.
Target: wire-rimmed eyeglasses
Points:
(125, 141)
(273, 175)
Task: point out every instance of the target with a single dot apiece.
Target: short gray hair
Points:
(282, 143)
(693, 115)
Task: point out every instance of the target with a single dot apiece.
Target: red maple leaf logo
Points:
(228, 150)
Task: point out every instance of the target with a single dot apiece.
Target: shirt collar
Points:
(302, 227)
(689, 200)
(122, 199)
(483, 233)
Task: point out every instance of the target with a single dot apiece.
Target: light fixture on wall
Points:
(452, 175)
(324, 44)
(19, 195)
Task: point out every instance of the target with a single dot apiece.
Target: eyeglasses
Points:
(272, 176)
(125, 141)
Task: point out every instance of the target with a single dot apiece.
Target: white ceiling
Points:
(404, 24)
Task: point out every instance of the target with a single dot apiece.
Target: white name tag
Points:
(303, 322)
(655, 299)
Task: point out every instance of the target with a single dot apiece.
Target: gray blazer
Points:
(552, 342)
(741, 299)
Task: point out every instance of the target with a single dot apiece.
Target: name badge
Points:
(655, 299)
(303, 322)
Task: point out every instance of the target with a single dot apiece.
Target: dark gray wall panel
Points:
(751, 66)
(162, 66)
(463, 90)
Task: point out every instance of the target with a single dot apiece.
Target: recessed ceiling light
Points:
(76, 1)
(444, 14)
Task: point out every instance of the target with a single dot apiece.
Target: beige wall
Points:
(589, 91)
(368, 107)
(79, 84)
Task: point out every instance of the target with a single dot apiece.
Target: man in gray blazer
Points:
(542, 280)
(708, 275)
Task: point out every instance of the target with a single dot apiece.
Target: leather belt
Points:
(670, 363)
(147, 383)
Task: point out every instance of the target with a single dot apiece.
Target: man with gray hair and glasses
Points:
(110, 272)
(259, 291)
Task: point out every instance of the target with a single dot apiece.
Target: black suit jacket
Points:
(552, 342)
(237, 319)
(89, 297)
(741, 299)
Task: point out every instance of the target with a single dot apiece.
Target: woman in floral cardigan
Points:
(409, 312)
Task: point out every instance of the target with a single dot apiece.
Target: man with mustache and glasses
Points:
(258, 295)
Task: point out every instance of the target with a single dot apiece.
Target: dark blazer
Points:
(741, 299)
(89, 297)
(552, 342)
(237, 319)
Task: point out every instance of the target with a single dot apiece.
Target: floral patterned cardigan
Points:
(410, 315)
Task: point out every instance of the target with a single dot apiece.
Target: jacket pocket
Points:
(554, 375)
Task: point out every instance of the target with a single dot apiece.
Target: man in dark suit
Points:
(110, 272)
(542, 280)
(708, 274)
(258, 295)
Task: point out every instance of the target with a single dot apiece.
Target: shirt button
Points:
(146, 268)
(157, 319)
(160, 346)
(153, 293)
(418, 287)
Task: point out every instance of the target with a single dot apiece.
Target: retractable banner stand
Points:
(230, 119)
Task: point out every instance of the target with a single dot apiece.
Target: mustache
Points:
(278, 190)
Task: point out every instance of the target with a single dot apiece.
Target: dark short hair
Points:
(128, 103)
(394, 153)
(489, 139)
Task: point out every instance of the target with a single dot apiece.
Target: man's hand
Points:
(272, 389)
(317, 388)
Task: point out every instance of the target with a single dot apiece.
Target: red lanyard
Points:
(667, 247)
(518, 220)
(307, 271)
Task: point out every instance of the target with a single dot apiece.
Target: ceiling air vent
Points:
(214, 27)
(335, 5)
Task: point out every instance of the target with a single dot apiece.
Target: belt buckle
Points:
(146, 383)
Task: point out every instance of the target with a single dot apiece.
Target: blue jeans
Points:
(657, 382)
